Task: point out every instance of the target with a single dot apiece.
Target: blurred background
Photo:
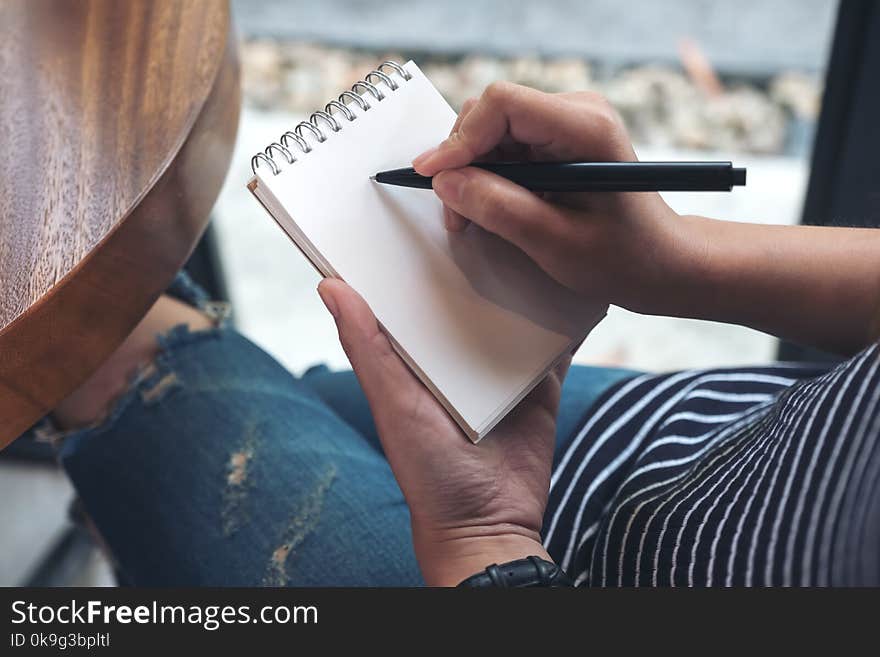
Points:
(693, 79)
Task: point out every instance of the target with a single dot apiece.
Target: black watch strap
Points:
(523, 573)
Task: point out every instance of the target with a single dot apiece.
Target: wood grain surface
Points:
(117, 122)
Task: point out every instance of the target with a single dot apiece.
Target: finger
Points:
(466, 107)
(506, 209)
(549, 391)
(509, 151)
(562, 367)
(484, 128)
(553, 382)
(451, 219)
(381, 372)
(552, 385)
(583, 127)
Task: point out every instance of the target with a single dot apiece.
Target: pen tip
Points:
(373, 178)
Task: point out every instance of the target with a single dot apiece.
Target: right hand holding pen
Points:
(620, 248)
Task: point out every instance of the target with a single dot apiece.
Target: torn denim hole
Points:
(158, 389)
(46, 431)
(182, 288)
(152, 382)
(163, 379)
(185, 289)
(238, 485)
(218, 312)
(301, 525)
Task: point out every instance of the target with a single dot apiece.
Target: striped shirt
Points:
(732, 477)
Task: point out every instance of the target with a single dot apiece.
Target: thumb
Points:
(381, 372)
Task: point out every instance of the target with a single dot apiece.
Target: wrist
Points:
(677, 269)
(447, 558)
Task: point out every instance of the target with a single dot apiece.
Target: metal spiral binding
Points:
(326, 118)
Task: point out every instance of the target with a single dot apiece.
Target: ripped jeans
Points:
(218, 467)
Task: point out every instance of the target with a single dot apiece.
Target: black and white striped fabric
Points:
(762, 476)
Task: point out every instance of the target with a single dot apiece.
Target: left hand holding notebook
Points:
(460, 522)
(611, 246)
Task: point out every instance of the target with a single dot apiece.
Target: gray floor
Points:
(34, 517)
(752, 37)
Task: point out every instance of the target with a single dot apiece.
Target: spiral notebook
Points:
(474, 318)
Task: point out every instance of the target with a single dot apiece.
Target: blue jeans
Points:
(218, 467)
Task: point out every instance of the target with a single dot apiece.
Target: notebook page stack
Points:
(473, 317)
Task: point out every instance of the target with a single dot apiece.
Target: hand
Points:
(622, 248)
(807, 284)
(470, 505)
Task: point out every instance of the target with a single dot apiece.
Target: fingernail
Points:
(448, 185)
(329, 301)
(424, 157)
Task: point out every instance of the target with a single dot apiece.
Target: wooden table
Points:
(117, 123)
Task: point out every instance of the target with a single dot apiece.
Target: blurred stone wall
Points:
(661, 105)
(746, 37)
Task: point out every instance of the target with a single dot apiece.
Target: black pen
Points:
(597, 176)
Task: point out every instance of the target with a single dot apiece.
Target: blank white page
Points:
(472, 315)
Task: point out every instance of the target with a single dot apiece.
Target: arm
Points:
(814, 285)
(809, 284)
